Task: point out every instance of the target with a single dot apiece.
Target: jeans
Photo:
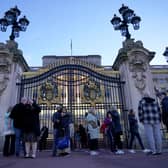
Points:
(153, 134)
(56, 134)
(67, 132)
(111, 140)
(19, 144)
(133, 135)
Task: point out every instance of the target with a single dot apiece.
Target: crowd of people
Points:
(22, 129)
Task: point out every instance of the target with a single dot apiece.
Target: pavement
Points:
(82, 159)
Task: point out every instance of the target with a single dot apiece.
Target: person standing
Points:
(93, 130)
(9, 144)
(77, 138)
(56, 119)
(17, 114)
(150, 116)
(109, 126)
(65, 121)
(65, 131)
(133, 124)
(164, 106)
(86, 128)
(117, 131)
(72, 133)
(31, 128)
(83, 136)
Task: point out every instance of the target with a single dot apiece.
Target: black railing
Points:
(69, 82)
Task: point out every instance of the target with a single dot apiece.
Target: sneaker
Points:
(132, 151)
(33, 156)
(157, 153)
(119, 152)
(146, 150)
(93, 153)
(66, 154)
(26, 156)
(151, 153)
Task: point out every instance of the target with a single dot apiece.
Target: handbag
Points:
(63, 143)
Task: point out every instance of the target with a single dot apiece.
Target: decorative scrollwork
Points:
(92, 91)
(138, 68)
(5, 70)
(48, 92)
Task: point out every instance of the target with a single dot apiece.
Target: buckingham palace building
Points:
(80, 82)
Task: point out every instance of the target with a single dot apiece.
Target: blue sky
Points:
(53, 23)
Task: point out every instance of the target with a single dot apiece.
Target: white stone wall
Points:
(12, 65)
(9, 97)
(133, 64)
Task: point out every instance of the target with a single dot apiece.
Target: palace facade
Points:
(80, 82)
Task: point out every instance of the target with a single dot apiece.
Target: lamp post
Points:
(128, 17)
(11, 19)
(166, 54)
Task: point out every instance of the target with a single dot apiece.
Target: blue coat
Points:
(56, 120)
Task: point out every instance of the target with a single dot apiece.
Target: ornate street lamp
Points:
(11, 19)
(128, 17)
(166, 54)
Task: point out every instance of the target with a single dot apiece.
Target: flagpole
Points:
(71, 47)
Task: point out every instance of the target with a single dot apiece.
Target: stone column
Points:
(12, 64)
(133, 64)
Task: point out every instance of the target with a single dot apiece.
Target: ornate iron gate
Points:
(77, 87)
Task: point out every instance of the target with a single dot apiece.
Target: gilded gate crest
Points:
(92, 92)
(48, 93)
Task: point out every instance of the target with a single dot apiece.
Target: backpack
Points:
(165, 105)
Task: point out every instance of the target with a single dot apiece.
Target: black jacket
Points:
(31, 121)
(133, 123)
(65, 120)
(164, 104)
(116, 121)
(17, 114)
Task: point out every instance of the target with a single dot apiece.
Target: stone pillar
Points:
(12, 64)
(133, 64)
